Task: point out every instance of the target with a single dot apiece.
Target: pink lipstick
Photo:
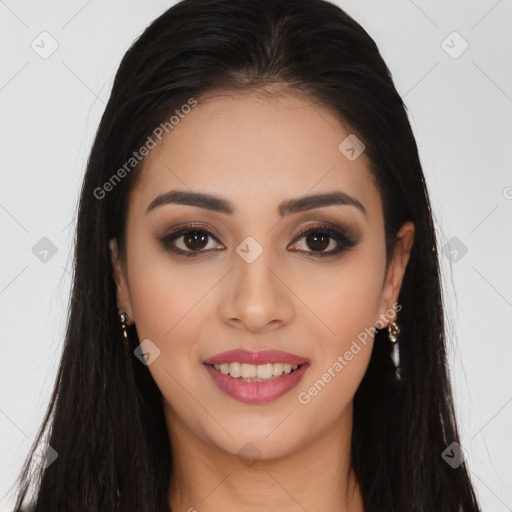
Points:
(256, 376)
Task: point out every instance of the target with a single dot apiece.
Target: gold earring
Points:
(393, 331)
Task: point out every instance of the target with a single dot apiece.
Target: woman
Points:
(256, 317)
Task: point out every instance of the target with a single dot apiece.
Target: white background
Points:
(461, 112)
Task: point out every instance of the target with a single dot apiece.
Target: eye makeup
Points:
(194, 234)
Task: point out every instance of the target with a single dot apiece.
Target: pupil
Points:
(197, 238)
(316, 243)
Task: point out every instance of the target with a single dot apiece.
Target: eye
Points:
(191, 240)
(320, 238)
(195, 241)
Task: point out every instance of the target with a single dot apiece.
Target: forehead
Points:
(255, 150)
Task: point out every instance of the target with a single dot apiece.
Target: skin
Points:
(256, 151)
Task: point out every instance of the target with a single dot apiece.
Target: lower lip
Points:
(257, 392)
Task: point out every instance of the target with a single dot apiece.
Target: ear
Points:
(124, 304)
(395, 274)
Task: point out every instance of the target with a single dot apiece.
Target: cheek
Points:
(346, 301)
(172, 301)
(345, 298)
(342, 354)
(168, 311)
(163, 292)
(355, 306)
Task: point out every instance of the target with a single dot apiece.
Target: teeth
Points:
(277, 368)
(265, 371)
(251, 371)
(234, 369)
(224, 368)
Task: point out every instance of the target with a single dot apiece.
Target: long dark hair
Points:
(105, 418)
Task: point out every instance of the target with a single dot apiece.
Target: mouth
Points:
(256, 377)
(255, 373)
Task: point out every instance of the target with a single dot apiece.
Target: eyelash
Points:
(344, 237)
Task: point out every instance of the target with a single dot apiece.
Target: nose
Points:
(256, 296)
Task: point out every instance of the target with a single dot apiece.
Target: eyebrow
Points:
(218, 204)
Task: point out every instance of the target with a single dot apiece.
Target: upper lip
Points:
(242, 355)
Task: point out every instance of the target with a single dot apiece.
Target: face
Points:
(258, 269)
